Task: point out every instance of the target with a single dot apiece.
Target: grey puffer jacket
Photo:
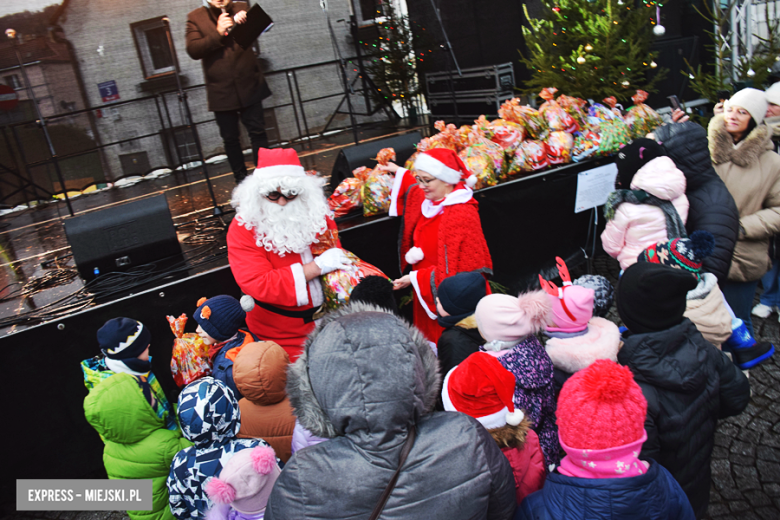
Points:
(365, 378)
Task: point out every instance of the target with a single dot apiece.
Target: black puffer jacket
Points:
(457, 343)
(712, 207)
(689, 385)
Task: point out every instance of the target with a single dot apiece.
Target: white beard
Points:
(291, 228)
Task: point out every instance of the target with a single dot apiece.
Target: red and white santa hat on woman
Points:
(278, 162)
(482, 388)
(445, 165)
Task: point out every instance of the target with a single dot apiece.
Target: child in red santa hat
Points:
(576, 337)
(601, 418)
(441, 231)
(508, 324)
(482, 388)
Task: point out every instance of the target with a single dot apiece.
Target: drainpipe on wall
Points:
(57, 34)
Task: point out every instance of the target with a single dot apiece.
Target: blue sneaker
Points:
(745, 350)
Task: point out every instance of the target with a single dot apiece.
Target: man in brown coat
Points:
(235, 86)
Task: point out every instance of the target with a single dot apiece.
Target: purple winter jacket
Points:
(534, 391)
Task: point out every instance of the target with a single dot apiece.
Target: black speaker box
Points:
(364, 154)
(121, 237)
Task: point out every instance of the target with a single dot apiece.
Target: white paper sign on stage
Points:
(594, 186)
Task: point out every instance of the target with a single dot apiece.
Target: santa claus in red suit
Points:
(441, 234)
(280, 212)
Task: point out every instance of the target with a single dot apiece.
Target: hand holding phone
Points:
(675, 103)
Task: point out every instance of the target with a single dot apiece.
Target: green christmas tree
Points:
(751, 69)
(392, 60)
(592, 49)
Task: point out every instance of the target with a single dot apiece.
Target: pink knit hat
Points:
(245, 482)
(501, 317)
(601, 407)
(572, 305)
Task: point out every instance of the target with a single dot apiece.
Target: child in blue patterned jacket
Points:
(210, 418)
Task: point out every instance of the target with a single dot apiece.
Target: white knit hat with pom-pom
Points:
(245, 483)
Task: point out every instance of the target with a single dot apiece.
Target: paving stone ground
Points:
(745, 461)
(746, 458)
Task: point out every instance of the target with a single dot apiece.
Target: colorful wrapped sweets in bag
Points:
(530, 156)
(559, 145)
(189, 358)
(507, 134)
(348, 194)
(337, 286)
(558, 120)
(485, 159)
(614, 135)
(529, 118)
(642, 119)
(376, 190)
(575, 107)
(586, 145)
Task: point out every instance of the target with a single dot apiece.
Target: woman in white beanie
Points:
(741, 149)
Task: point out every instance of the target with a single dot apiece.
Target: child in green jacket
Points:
(124, 343)
(137, 443)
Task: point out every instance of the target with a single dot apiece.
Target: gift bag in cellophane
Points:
(507, 134)
(529, 118)
(559, 145)
(484, 159)
(575, 107)
(613, 136)
(558, 120)
(347, 195)
(376, 190)
(642, 119)
(534, 155)
(325, 241)
(448, 137)
(337, 286)
(189, 359)
(586, 145)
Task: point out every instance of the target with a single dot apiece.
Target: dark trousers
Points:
(740, 297)
(254, 121)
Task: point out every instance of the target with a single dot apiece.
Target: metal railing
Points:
(34, 185)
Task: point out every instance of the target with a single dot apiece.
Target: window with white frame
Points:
(12, 80)
(154, 51)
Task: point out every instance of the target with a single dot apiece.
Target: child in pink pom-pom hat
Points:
(601, 420)
(242, 489)
(508, 325)
(576, 337)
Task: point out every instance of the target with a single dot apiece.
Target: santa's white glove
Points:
(331, 260)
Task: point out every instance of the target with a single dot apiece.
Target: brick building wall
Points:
(106, 51)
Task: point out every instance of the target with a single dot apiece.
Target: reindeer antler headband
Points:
(553, 290)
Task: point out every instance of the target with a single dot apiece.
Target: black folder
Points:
(257, 22)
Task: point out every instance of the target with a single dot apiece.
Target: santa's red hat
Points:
(278, 162)
(445, 165)
(482, 388)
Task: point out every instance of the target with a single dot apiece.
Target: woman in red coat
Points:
(441, 234)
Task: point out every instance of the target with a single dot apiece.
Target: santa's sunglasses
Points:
(276, 195)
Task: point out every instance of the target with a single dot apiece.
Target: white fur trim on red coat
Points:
(414, 255)
(395, 193)
(420, 298)
(283, 170)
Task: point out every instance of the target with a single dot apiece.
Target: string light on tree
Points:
(751, 73)
(653, 64)
(581, 60)
(589, 48)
